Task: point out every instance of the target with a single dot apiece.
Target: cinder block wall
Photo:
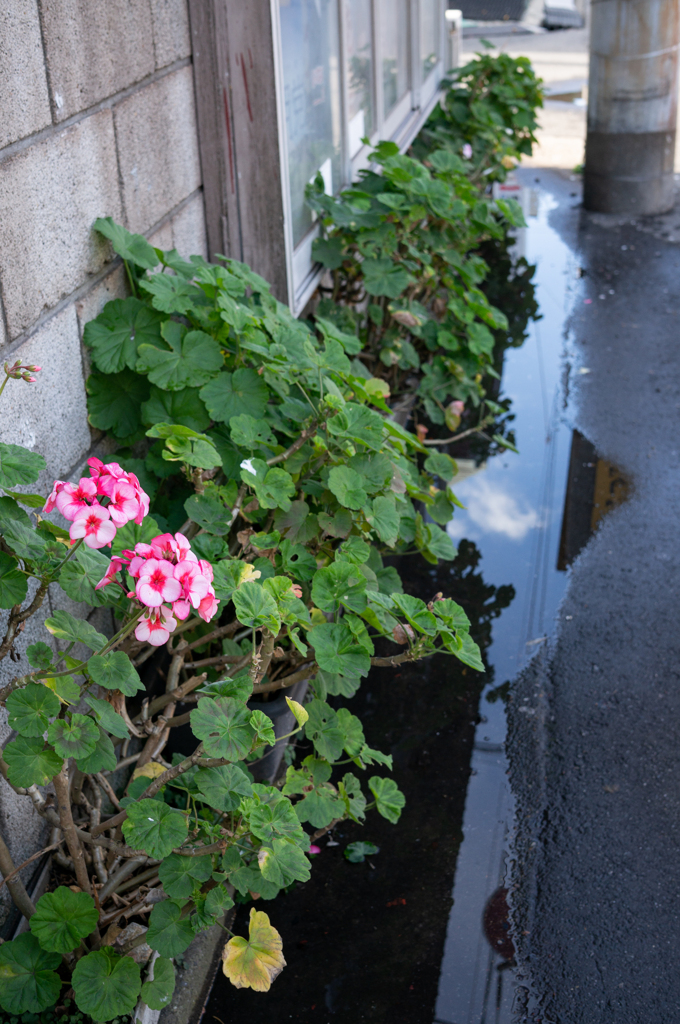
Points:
(97, 119)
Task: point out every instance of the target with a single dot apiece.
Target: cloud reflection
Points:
(493, 510)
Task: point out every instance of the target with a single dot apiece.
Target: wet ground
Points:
(401, 937)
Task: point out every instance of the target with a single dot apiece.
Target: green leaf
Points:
(19, 465)
(103, 757)
(441, 465)
(222, 788)
(384, 277)
(74, 737)
(82, 573)
(107, 718)
(39, 655)
(359, 424)
(231, 394)
(183, 407)
(355, 801)
(30, 762)
(181, 875)
(169, 932)
(385, 519)
(209, 511)
(264, 730)
(504, 443)
(347, 486)
(114, 401)
(154, 827)
(67, 627)
(352, 731)
(29, 709)
(13, 584)
(133, 248)
(31, 500)
(273, 487)
(158, 989)
(470, 654)
(182, 444)
(324, 730)
(277, 820)
(130, 534)
(28, 979)
(356, 853)
(416, 613)
(224, 726)
(337, 525)
(254, 962)
(300, 713)
(115, 671)
(283, 863)
(25, 542)
(339, 583)
(337, 685)
(115, 335)
(248, 432)
(62, 918)
(65, 688)
(190, 359)
(337, 651)
(328, 251)
(106, 985)
(320, 803)
(255, 607)
(389, 800)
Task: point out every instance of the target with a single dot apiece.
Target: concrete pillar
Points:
(632, 106)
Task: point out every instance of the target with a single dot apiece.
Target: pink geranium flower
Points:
(195, 586)
(73, 498)
(52, 500)
(115, 565)
(155, 627)
(164, 546)
(94, 525)
(208, 607)
(124, 505)
(157, 583)
(184, 551)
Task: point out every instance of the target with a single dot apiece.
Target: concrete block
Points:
(188, 229)
(50, 195)
(171, 36)
(50, 416)
(158, 148)
(162, 238)
(95, 49)
(24, 831)
(34, 631)
(24, 99)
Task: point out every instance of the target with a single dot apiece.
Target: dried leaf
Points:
(256, 961)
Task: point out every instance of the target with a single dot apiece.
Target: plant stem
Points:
(16, 887)
(62, 790)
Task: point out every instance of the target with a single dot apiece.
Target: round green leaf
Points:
(189, 359)
(28, 979)
(255, 607)
(283, 863)
(180, 875)
(74, 737)
(29, 710)
(324, 730)
(13, 584)
(337, 651)
(67, 627)
(157, 991)
(347, 486)
(183, 407)
(115, 671)
(389, 800)
(277, 820)
(222, 787)
(169, 932)
(30, 762)
(339, 583)
(114, 401)
(231, 394)
(102, 758)
(356, 853)
(224, 726)
(133, 248)
(19, 465)
(121, 327)
(62, 918)
(154, 827)
(106, 985)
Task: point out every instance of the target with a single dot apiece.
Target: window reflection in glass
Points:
(311, 78)
(429, 35)
(359, 49)
(394, 46)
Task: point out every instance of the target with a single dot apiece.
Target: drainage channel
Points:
(418, 933)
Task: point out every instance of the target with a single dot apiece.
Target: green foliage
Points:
(28, 978)
(356, 853)
(62, 918)
(157, 990)
(106, 984)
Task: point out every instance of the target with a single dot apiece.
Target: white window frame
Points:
(401, 126)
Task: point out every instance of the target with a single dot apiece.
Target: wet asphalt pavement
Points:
(594, 723)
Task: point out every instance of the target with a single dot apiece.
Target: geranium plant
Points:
(241, 530)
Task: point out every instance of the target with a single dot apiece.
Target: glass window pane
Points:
(311, 78)
(394, 37)
(359, 48)
(429, 35)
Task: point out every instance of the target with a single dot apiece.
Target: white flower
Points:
(247, 464)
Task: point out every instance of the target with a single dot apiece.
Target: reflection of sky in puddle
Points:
(513, 512)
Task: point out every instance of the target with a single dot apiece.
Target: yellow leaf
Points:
(249, 572)
(256, 961)
(150, 770)
(317, 616)
(301, 715)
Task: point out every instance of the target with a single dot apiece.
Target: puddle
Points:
(419, 933)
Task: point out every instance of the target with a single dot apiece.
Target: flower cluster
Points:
(22, 371)
(100, 504)
(167, 573)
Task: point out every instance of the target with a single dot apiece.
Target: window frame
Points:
(401, 126)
